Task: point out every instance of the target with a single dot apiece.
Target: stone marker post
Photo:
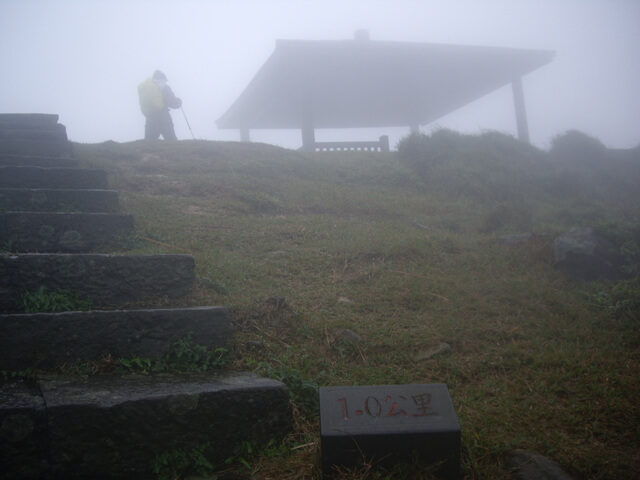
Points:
(388, 424)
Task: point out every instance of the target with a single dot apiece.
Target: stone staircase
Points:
(54, 216)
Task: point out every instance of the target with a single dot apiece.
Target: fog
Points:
(83, 60)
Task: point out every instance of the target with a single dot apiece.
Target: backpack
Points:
(150, 97)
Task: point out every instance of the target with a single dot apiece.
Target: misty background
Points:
(83, 60)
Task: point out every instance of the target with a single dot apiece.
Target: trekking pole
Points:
(185, 119)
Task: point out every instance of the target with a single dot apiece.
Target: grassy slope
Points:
(534, 364)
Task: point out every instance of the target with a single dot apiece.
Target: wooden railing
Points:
(381, 145)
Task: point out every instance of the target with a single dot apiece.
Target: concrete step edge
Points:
(60, 232)
(46, 341)
(9, 160)
(52, 177)
(114, 427)
(84, 200)
(105, 279)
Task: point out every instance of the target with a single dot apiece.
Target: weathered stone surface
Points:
(48, 340)
(62, 232)
(23, 448)
(49, 132)
(583, 254)
(528, 465)
(43, 177)
(36, 161)
(105, 279)
(28, 119)
(58, 200)
(56, 148)
(112, 427)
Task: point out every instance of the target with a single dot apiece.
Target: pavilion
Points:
(362, 83)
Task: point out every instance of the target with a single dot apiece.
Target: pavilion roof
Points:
(365, 83)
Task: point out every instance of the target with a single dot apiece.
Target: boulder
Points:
(528, 465)
(584, 254)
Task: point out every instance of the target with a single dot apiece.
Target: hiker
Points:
(156, 98)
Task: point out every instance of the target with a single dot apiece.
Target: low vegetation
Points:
(43, 300)
(401, 248)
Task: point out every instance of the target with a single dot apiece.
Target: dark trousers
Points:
(159, 124)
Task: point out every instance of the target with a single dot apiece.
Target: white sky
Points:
(83, 60)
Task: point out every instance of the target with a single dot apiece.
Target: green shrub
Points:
(421, 152)
(622, 299)
(493, 144)
(303, 392)
(183, 356)
(577, 147)
(509, 214)
(626, 242)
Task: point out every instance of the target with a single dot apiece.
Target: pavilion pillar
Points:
(244, 135)
(521, 114)
(308, 132)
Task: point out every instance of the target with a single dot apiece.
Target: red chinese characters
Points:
(390, 406)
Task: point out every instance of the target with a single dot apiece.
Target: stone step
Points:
(58, 200)
(115, 427)
(56, 148)
(7, 160)
(106, 280)
(33, 134)
(58, 232)
(28, 119)
(48, 132)
(42, 177)
(48, 340)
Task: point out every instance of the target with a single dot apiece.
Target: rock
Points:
(528, 465)
(344, 335)
(440, 349)
(583, 254)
